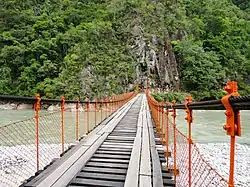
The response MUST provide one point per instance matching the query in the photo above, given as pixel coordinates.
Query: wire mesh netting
(17, 152)
(202, 173)
(26, 148)
(18, 156)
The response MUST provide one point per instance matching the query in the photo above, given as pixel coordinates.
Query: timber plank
(145, 181)
(156, 165)
(168, 182)
(113, 152)
(116, 146)
(91, 182)
(115, 149)
(109, 160)
(104, 170)
(118, 143)
(112, 156)
(107, 165)
(132, 178)
(145, 165)
(119, 138)
(101, 176)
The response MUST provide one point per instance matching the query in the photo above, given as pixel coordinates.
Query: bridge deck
(121, 151)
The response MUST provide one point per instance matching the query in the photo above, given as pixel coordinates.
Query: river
(22, 122)
(207, 126)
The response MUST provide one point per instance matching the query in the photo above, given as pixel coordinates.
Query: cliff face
(156, 62)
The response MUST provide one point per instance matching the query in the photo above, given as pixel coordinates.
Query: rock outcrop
(156, 63)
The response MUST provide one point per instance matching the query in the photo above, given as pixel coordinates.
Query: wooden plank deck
(121, 151)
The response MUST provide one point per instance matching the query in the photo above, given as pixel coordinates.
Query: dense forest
(95, 48)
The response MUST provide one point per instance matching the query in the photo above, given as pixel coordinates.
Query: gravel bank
(217, 154)
(18, 163)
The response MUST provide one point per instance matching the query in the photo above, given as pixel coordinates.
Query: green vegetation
(82, 48)
(215, 46)
(179, 97)
(57, 47)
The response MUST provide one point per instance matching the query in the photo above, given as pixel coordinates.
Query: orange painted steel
(62, 110)
(233, 126)
(101, 108)
(106, 108)
(167, 136)
(87, 114)
(77, 119)
(189, 119)
(186, 162)
(175, 150)
(161, 124)
(95, 111)
(34, 142)
(108, 105)
(37, 108)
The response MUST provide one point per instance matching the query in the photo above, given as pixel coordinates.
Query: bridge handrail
(188, 152)
(237, 102)
(30, 145)
(28, 100)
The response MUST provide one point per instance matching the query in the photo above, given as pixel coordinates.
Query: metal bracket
(173, 110)
(38, 103)
(233, 126)
(189, 112)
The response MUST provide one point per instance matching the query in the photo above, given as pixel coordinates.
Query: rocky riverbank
(15, 162)
(16, 165)
(217, 156)
(21, 106)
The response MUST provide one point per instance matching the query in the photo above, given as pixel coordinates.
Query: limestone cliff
(156, 63)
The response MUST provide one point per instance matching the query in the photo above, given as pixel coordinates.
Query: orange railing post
(37, 108)
(95, 111)
(189, 119)
(158, 116)
(101, 109)
(174, 125)
(166, 133)
(106, 112)
(112, 104)
(88, 116)
(233, 126)
(77, 118)
(116, 103)
(62, 124)
(108, 106)
(162, 124)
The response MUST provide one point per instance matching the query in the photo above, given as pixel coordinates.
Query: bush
(206, 95)
(179, 97)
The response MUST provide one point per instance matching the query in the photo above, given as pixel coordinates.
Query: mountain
(95, 48)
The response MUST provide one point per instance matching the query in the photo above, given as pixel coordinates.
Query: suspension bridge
(127, 140)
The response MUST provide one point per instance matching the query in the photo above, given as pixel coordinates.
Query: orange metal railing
(183, 157)
(28, 146)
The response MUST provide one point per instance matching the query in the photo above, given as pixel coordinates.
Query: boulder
(8, 106)
(24, 106)
(53, 108)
